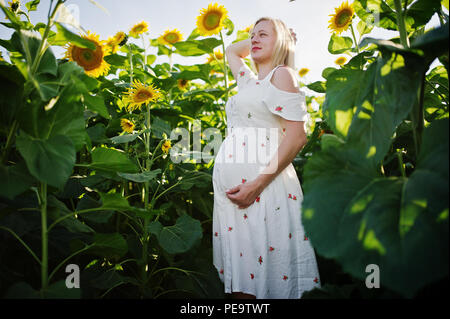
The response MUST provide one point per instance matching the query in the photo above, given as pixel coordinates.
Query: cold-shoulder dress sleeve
(245, 75)
(289, 105)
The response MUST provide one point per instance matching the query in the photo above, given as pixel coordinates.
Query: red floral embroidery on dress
(244, 180)
(241, 254)
(316, 280)
(257, 82)
(284, 129)
(216, 234)
(271, 248)
(252, 276)
(290, 196)
(260, 260)
(262, 144)
(305, 238)
(245, 216)
(221, 271)
(257, 199)
(230, 228)
(290, 235)
(285, 277)
(279, 108)
(242, 73)
(294, 198)
(243, 144)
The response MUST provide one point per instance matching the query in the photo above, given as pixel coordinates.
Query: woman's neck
(264, 69)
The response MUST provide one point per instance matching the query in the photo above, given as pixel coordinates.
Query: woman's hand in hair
(294, 35)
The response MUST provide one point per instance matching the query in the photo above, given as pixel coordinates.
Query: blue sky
(308, 18)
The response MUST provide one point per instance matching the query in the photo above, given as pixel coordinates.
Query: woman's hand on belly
(244, 194)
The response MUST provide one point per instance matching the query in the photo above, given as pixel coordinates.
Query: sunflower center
(343, 17)
(171, 37)
(143, 95)
(212, 20)
(87, 58)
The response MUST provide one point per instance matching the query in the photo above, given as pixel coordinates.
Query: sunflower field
(95, 183)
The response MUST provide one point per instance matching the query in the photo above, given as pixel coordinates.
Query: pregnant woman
(260, 249)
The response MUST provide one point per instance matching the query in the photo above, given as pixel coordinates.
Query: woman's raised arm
(235, 53)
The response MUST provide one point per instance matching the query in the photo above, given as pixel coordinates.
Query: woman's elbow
(303, 140)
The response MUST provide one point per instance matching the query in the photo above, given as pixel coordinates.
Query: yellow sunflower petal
(210, 20)
(166, 146)
(127, 125)
(303, 72)
(170, 37)
(140, 94)
(138, 29)
(341, 60)
(90, 60)
(342, 18)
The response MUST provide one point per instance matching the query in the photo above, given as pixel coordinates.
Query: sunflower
(111, 43)
(90, 60)
(170, 37)
(342, 18)
(248, 29)
(127, 125)
(217, 54)
(120, 38)
(341, 60)
(138, 29)
(140, 94)
(14, 5)
(303, 72)
(210, 20)
(166, 146)
(182, 84)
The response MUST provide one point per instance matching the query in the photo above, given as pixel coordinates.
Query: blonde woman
(260, 249)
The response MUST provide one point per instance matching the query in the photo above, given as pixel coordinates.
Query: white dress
(260, 250)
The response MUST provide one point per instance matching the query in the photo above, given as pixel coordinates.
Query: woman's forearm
(241, 48)
(286, 152)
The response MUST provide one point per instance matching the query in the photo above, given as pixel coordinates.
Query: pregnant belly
(238, 162)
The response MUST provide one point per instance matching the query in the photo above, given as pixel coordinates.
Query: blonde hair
(284, 48)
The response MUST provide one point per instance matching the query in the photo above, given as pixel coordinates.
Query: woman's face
(263, 40)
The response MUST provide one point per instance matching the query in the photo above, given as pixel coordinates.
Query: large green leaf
(343, 88)
(377, 13)
(180, 237)
(141, 177)
(14, 180)
(111, 245)
(420, 12)
(399, 224)
(112, 160)
(196, 47)
(64, 36)
(338, 45)
(386, 97)
(51, 160)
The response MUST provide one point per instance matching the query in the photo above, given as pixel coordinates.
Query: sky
(308, 18)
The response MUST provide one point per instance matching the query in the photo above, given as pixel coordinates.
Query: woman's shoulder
(284, 78)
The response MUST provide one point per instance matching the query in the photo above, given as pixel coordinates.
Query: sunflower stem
(43, 43)
(401, 24)
(145, 53)
(44, 234)
(131, 63)
(354, 38)
(225, 71)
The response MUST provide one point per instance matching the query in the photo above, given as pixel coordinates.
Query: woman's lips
(256, 48)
